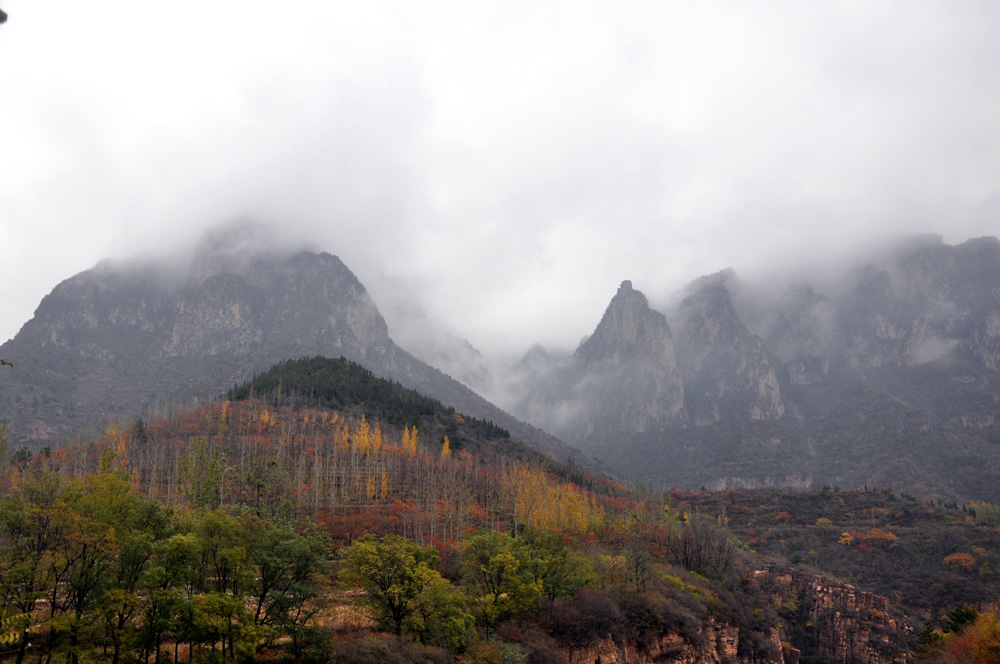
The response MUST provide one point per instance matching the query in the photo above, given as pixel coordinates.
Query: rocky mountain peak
(126, 337)
(114, 326)
(626, 371)
(706, 319)
(629, 327)
(882, 373)
(536, 355)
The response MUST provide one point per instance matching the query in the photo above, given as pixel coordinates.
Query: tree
(111, 505)
(979, 643)
(201, 473)
(956, 621)
(218, 617)
(393, 572)
(497, 568)
(101, 556)
(439, 616)
(561, 571)
(286, 563)
(29, 533)
(960, 561)
(168, 587)
(701, 547)
(223, 541)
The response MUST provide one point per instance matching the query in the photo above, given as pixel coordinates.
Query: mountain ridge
(124, 337)
(888, 377)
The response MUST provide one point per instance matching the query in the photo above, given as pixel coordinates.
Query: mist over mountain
(130, 338)
(886, 375)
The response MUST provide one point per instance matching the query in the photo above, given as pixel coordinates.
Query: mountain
(724, 365)
(885, 376)
(128, 338)
(623, 379)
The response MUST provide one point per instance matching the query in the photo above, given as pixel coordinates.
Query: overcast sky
(509, 162)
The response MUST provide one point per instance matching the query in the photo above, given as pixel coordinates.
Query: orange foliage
(979, 643)
(960, 561)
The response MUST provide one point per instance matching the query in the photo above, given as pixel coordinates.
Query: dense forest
(320, 514)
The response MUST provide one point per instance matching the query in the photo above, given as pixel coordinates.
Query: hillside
(886, 375)
(339, 383)
(925, 558)
(261, 504)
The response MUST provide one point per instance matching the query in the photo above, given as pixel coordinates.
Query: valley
(781, 477)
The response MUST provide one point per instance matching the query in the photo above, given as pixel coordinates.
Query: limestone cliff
(665, 406)
(626, 374)
(821, 620)
(726, 369)
(836, 621)
(713, 644)
(886, 374)
(924, 302)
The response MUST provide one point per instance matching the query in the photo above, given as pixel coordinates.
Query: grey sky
(508, 162)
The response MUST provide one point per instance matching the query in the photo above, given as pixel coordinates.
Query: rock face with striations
(121, 339)
(886, 376)
(828, 621)
(626, 371)
(726, 368)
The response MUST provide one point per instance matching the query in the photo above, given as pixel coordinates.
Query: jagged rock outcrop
(726, 369)
(798, 331)
(923, 302)
(887, 375)
(818, 619)
(836, 621)
(714, 644)
(122, 338)
(626, 374)
(640, 398)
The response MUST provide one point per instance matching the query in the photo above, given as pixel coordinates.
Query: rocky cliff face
(836, 621)
(726, 368)
(925, 303)
(626, 374)
(119, 339)
(822, 620)
(714, 644)
(887, 376)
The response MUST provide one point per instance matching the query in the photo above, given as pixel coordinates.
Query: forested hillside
(340, 383)
(284, 530)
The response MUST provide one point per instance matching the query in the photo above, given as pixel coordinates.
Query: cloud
(512, 163)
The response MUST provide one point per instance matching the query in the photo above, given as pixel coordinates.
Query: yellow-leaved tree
(410, 441)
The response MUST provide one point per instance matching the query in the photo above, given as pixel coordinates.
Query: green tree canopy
(402, 588)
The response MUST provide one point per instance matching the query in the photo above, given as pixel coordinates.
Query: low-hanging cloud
(511, 163)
